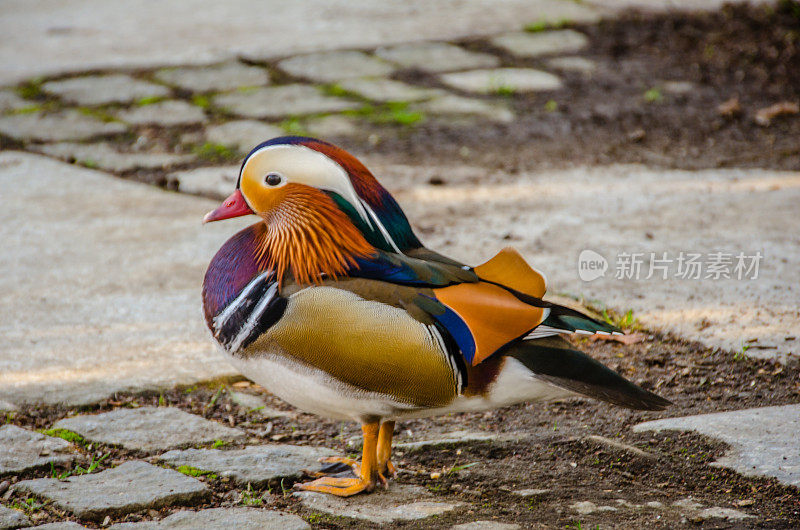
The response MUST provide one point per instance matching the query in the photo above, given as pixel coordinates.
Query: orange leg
(368, 476)
(385, 466)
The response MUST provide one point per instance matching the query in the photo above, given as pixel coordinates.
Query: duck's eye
(273, 179)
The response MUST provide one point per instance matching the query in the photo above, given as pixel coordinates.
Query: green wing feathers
(567, 319)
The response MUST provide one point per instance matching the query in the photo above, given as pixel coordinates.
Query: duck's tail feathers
(571, 321)
(552, 359)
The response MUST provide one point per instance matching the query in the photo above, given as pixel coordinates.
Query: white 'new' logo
(591, 265)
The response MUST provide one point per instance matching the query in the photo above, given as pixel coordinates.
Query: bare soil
(626, 113)
(552, 452)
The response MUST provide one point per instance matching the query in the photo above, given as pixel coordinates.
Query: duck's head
(319, 204)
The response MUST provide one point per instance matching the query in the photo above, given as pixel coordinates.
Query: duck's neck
(310, 237)
(308, 241)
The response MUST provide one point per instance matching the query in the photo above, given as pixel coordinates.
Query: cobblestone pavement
(87, 475)
(184, 127)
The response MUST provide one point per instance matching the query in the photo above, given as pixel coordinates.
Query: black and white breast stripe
(250, 314)
(451, 352)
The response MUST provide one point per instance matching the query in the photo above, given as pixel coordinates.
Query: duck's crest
(388, 228)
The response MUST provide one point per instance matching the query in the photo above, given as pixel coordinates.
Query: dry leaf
(764, 116)
(730, 108)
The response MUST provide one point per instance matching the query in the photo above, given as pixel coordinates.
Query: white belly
(314, 391)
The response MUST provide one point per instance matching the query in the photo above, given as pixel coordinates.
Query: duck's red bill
(233, 206)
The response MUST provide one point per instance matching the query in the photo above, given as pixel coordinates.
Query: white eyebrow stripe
(325, 173)
(335, 179)
(381, 228)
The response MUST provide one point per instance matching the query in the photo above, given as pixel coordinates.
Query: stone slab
(11, 518)
(282, 101)
(214, 78)
(244, 135)
(56, 126)
(221, 519)
(78, 35)
(437, 57)
(401, 502)
(130, 487)
(588, 507)
(496, 80)
(678, 87)
(149, 428)
(693, 509)
(572, 64)
(531, 492)
(106, 156)
(554, 215)
(763, 441)
(486, 525)
(257, 465)
(458, 437)
(386, 90)
(452, 105)
(214, 181)
(11, 101)
(22, 450)
(334, 66)
(104, 89)
(61, 525)
(164, 113)
(121, 311)
(332, 126)
(524, 44)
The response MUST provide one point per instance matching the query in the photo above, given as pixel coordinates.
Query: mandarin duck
(332, 303)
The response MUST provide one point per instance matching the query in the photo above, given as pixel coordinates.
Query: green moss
(30, 89)
(653, 95)
(149, 100)
(622, 321)
(201, 101)
(28, 110)
(544, 25)
(393, 113)
(219, 443)
(334, 90)
(97, 113)
(29, 505)
(551, 106)
(505, 91)
(294, 127)
(215, 153)
(195, 472)
(64, 434)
